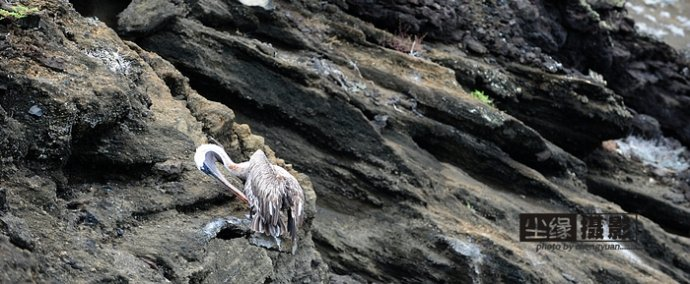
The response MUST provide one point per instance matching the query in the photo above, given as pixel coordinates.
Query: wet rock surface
(417, 181)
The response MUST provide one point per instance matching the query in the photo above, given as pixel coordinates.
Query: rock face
(417, 181)
(99, 187)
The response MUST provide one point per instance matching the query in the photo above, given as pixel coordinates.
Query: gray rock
(3, 200)
(144, 16)
(475, 46)
(646, 126)
(675, 197)
(36, 111)
(17, 230)
(380, 121)
(171, 169)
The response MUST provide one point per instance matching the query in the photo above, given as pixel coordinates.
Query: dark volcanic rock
(647, 73)
(17, 231)
(574, 113)
(440, 20)
(68, 118)
(581, 35)
(646, 126)
(406, 164)
(88, 184)
(143, 16)
(660, 199)
(3, 200)
(418, 181)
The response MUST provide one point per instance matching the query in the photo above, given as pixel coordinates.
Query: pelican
(268, 189)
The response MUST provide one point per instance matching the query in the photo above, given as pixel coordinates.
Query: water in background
(667, 20)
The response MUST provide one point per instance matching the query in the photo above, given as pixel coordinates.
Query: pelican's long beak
(217, 175)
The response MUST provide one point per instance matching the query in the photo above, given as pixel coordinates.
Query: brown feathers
(274, 196)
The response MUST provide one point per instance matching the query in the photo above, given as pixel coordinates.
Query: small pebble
(36, 111)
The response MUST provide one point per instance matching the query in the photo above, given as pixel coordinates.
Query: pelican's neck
(239, 170)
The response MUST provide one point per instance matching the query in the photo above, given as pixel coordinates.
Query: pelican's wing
(267, 189)
(294, 197)
(251, 198)
(259, 159)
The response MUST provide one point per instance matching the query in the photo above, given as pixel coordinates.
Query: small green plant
(482, 97)
(17, 11)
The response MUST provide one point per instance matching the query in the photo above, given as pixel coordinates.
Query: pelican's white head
(206, 157)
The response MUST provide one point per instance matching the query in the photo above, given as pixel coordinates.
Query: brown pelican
(268, 189)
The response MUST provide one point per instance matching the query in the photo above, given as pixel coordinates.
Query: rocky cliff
(408, 177)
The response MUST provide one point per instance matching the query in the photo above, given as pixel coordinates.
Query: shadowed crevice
(104, 10)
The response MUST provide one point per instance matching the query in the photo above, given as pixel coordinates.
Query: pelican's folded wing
(295, 198)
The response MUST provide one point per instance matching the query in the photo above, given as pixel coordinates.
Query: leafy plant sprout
(482, 97)
(469, 206)
(17, 11)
